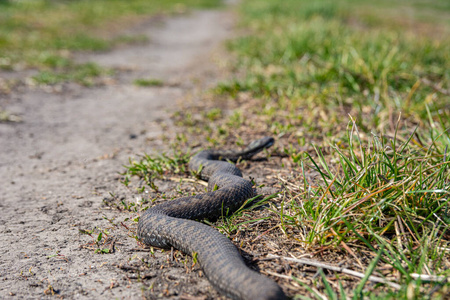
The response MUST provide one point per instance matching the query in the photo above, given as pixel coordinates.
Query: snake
(173, 224)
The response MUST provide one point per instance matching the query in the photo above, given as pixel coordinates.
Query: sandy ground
(59, 165)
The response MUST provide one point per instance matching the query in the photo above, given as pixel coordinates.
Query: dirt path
(59, 164)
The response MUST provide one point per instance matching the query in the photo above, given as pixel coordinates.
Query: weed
(149, 168)
(148, 82)
(100, 244)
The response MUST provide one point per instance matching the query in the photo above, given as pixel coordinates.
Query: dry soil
(61, 162)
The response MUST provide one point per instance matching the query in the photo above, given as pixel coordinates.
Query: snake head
(260, 144)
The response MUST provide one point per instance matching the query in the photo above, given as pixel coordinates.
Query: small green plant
(214, 114)
(148, 82)
(151, 167)
(99, 241)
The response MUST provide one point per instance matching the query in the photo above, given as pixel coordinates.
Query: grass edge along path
(45, 34)
(368, 193)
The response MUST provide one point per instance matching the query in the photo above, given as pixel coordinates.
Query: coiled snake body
(165, 225)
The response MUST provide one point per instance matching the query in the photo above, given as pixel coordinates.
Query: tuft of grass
(84, 74)
(149, 167)
(389, 193)
(148, 82)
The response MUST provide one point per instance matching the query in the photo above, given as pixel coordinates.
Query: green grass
(149, 168)
(148, 82)
(84, 74)
(376, 196)
(310, 55)
(378, 183)
(42, 34)
(357, 94)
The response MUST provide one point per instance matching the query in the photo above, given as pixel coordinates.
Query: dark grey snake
(165, 225)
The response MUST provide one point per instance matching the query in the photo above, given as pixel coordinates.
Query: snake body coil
(165, 225)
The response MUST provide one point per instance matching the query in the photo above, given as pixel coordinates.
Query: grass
(84, 74)
(149, 168)
(143, 82)
(357, 94)
(44, 34)
(377, 197)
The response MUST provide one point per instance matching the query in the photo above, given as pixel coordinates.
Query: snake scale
(169, 225)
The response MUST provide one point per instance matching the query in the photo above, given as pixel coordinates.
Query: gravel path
(63, 159)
